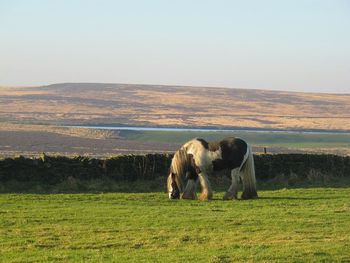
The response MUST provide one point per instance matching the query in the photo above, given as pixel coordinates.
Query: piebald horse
(197, 159)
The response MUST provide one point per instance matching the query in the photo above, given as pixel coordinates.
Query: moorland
(34, 119)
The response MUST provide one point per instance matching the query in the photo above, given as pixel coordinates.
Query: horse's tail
(247, 172)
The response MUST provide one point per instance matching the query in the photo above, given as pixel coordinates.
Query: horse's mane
(179, 166)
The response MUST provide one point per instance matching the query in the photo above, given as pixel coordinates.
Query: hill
(155, 105)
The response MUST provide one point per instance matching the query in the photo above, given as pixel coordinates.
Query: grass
(282, 139)
(287, 225)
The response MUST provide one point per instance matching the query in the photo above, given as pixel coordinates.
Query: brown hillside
(93, 103)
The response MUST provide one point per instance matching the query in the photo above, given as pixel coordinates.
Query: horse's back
(227, 153)
(232, 147)
(234, 144)
(232, 153)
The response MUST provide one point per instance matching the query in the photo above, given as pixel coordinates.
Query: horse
(197, 159)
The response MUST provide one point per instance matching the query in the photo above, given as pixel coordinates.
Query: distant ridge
(77, 84)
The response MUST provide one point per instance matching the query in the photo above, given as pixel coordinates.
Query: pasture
(264, 138)
(294, 141)
(286, 225)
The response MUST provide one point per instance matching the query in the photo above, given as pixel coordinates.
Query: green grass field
(280, 139)
(287, 225)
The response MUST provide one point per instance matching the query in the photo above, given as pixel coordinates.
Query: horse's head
(173, 188)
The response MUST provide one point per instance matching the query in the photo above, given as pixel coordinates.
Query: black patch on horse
(203, 142)
(219, 164)
(232, 154)
(193, 169)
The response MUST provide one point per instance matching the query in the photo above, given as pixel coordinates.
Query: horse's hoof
(229, 196)
(205, 197)
(187, 197)
(247, 196)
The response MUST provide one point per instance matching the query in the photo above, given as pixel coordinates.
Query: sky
(278, 45)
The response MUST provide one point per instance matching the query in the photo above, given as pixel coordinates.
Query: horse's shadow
(278, 198)
(293, 198)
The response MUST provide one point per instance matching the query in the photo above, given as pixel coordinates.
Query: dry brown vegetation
(91, 103)
(68, 131)
(31, 140)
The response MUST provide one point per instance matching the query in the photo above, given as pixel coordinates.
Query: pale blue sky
(284, 45)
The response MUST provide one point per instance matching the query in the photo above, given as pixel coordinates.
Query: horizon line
(177, 85)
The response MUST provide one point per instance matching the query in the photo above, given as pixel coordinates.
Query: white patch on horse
(202, 157)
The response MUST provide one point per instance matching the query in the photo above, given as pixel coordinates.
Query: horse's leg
(190, 190)
(207, 193)
(233, 189)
